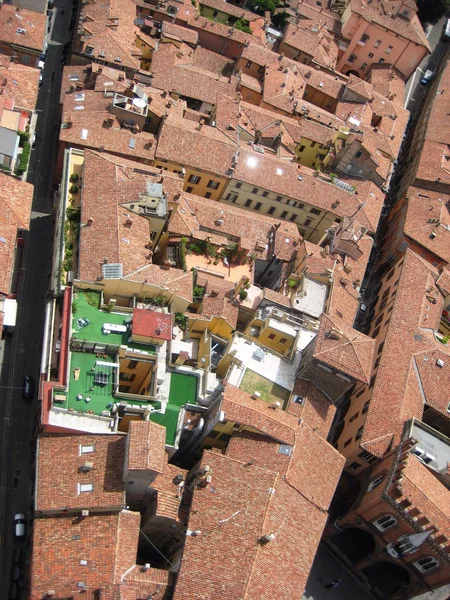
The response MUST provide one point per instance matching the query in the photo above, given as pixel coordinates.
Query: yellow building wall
(147, 53)
(208, 13)
(311, 226)
(271, 343)
(221, 328)
(142, 372)
(308, 155)
(123, 290)
(201, 188)
(145, 339)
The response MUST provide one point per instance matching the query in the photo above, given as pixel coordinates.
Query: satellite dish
(139, 103)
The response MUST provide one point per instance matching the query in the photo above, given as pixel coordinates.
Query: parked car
(33, 141)
(28, 387)
(446, 31)
(41, 79)
(19, 525)
(428, 76)
(51, 4)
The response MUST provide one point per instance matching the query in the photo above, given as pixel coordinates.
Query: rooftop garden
(269, 391)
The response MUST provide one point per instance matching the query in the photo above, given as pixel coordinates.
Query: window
(386, 293)
(381, 61)
(325, 367)
(315, 211)
(365, 408)
(271, 336)
(375, 482)
(194, 179)
(349, 441)
(127, 376)
(385, 522)
(363, 66)
(364, 38)
(360, 393)
(25, 59)
(208, 195)
(284, 214)
(271, 210)
(426, 563)
(279, 198)
(301, 148)
(231, 197)
(255, 190)
(261, 69)
(265, 194)
(87, 449)
(389, 49)
(307, 222)
(352, 58)
(370, 54)
(283, 340)
(132, 364)
(377, 363)
(85, 487)
(292, 217)
(405, 13)
(213, 185)
(285, 449)
(380, 348)
(238, 185)
(377, 44)
(358, 154)
(383, 304)
(190, 189)
(366, 456)
(359, 433)
(355, 416)
(248, 202)
(355, 465)
(378, 321)
(258, 205)
(249, 64)
(215, 13)
(376, 332)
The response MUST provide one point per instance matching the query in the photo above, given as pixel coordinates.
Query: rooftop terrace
(91, 353)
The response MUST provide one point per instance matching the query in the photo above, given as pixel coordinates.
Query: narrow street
(21, 351)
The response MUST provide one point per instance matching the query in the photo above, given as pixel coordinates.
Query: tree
(261, 6)
(430, 11)
(242, 25)
(279, 20)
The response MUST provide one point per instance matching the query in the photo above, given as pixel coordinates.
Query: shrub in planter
(73, 189)
(74, 177)
(243, 294)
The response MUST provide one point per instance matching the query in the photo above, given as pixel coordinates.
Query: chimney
(200, 124)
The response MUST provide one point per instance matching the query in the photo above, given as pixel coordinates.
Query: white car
(428, 76)
(19, 525)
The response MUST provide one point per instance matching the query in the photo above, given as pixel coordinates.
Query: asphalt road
(414, 89)
(22, 351)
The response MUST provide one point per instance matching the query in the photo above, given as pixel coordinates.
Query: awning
(10, 312)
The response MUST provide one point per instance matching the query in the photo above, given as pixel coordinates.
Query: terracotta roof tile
(108, 28)
(395, 396)
(59, 462)
(32, 26)
(146, 446)
(175, 280)
(345, 348)
(428, 213)
(108, 181)
(217, 302)
(316, 410)
(16, 198)
(186, 35)
(20, 83)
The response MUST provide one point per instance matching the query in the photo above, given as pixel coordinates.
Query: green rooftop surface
(87, 307)
(182, 389)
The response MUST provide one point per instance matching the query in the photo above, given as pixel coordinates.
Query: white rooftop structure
(311, 300)
(262, 361)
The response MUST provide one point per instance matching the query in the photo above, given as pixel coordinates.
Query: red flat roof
(152, 324)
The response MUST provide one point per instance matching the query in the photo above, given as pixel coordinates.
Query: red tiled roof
(59, 462)
(316, 410)
(19, 83)
(345, 348)
(146, 445)
(16, 198)
(32, 26)
(149, 323)
(250, 501)
(396, 396)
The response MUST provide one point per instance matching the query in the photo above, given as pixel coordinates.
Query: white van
(19, 525)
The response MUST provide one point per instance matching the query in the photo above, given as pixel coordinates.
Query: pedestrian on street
(333, 584)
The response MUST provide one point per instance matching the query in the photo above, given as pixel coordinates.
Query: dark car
(28, 387)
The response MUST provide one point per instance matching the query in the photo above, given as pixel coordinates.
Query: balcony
(432, 448)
